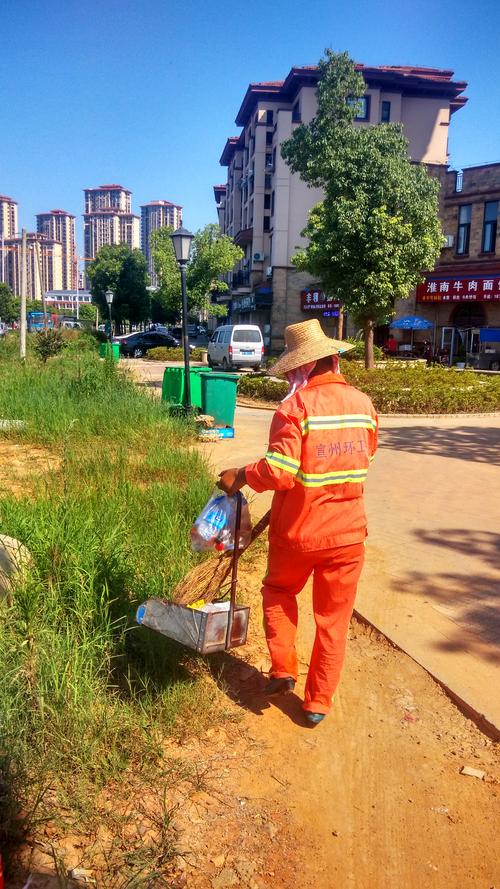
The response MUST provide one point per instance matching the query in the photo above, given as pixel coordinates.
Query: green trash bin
(172, 389)
(195, 382)
(218, 396)
(173, 385)
(112, 349)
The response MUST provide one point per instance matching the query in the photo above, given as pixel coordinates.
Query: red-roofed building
(265, 207)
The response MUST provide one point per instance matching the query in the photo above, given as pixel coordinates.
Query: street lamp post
(181, 240)
(109, 299)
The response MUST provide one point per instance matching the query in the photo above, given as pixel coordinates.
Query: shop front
(464, 308)
(254, 308)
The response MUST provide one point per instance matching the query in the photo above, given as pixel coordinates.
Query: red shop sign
(317, 301)
(473, 288)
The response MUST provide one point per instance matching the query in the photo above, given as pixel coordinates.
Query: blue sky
(145, 93)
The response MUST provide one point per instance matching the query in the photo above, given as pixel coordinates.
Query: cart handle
(234, 572)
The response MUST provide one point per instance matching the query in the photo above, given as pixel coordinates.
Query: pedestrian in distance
(322, 439)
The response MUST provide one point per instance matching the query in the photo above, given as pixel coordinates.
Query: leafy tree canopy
(378, 225)
(10, 305)
(124, 271)
(212, 255)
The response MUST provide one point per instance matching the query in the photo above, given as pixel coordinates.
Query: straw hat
(305, 342)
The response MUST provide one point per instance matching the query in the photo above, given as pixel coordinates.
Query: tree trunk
(340, 323)
(369, 359)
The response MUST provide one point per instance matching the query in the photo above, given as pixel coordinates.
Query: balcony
(241, 280)
(244, 236)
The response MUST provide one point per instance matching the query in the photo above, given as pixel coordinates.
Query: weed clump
(84, 692)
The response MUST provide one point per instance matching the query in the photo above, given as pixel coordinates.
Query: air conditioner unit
(269, 271)
(258, 257)
(449, 240)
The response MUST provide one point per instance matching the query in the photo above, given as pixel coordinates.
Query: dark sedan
(137, 344)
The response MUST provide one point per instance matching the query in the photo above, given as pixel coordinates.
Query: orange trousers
(336, 574)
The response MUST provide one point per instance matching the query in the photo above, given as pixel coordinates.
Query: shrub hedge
(401, 389)
(161, 353)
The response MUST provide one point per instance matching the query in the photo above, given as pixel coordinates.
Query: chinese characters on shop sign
(474, 289)
(317, 301)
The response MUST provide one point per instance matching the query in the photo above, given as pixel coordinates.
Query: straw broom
(205, 581)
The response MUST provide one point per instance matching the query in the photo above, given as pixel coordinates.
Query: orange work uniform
(321, 442)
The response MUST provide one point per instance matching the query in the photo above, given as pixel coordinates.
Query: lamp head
(181, 240)
(109, 297)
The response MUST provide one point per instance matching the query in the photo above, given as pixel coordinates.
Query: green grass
(75, 397)
(84, 693)
(402, 389)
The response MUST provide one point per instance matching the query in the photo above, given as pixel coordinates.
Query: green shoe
(314, 718)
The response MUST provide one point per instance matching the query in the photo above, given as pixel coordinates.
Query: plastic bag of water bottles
(214, 527)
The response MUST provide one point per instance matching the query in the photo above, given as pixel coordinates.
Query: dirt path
(373, 798)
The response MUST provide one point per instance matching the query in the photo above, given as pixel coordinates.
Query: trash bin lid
(224, 376)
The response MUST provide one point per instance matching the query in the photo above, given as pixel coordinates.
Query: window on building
(463, 233)
(490, 227)
(267, 202)
(267, 223)
(269, 137)
(385, 112)
(267, 181)
(296, 118)
(459, 180)
(269, 160)
(269, 118)
(252, 146)
(274, 159)
(272, 204)
(362, 107)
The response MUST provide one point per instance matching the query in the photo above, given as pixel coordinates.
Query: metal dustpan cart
(223, 627)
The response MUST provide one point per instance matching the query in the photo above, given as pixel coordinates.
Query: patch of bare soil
(20, 463)
(373, 798)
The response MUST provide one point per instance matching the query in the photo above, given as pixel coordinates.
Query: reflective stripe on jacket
(320, 445)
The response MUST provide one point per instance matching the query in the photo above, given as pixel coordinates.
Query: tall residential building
(8, 217)
(44, 265)
(264, 206)
(8, 229)
(60, 226)
(108, 219)
(154, 215)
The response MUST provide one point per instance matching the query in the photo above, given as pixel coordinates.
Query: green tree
(122, 270)
(87, 312)
(10, 305)
(378, 227)
(212, 255)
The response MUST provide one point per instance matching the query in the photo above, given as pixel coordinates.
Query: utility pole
(22, 329)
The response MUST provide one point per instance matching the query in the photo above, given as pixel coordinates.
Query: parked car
(71, 325)
(236, 345)
(136, 345)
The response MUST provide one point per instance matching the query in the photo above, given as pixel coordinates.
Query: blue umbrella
(412, 322)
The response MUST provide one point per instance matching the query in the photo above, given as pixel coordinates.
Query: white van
(236, 345)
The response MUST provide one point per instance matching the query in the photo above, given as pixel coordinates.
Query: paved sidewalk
(432, 577)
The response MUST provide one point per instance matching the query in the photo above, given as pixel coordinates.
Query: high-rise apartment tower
(58, 225)
(155, 215)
